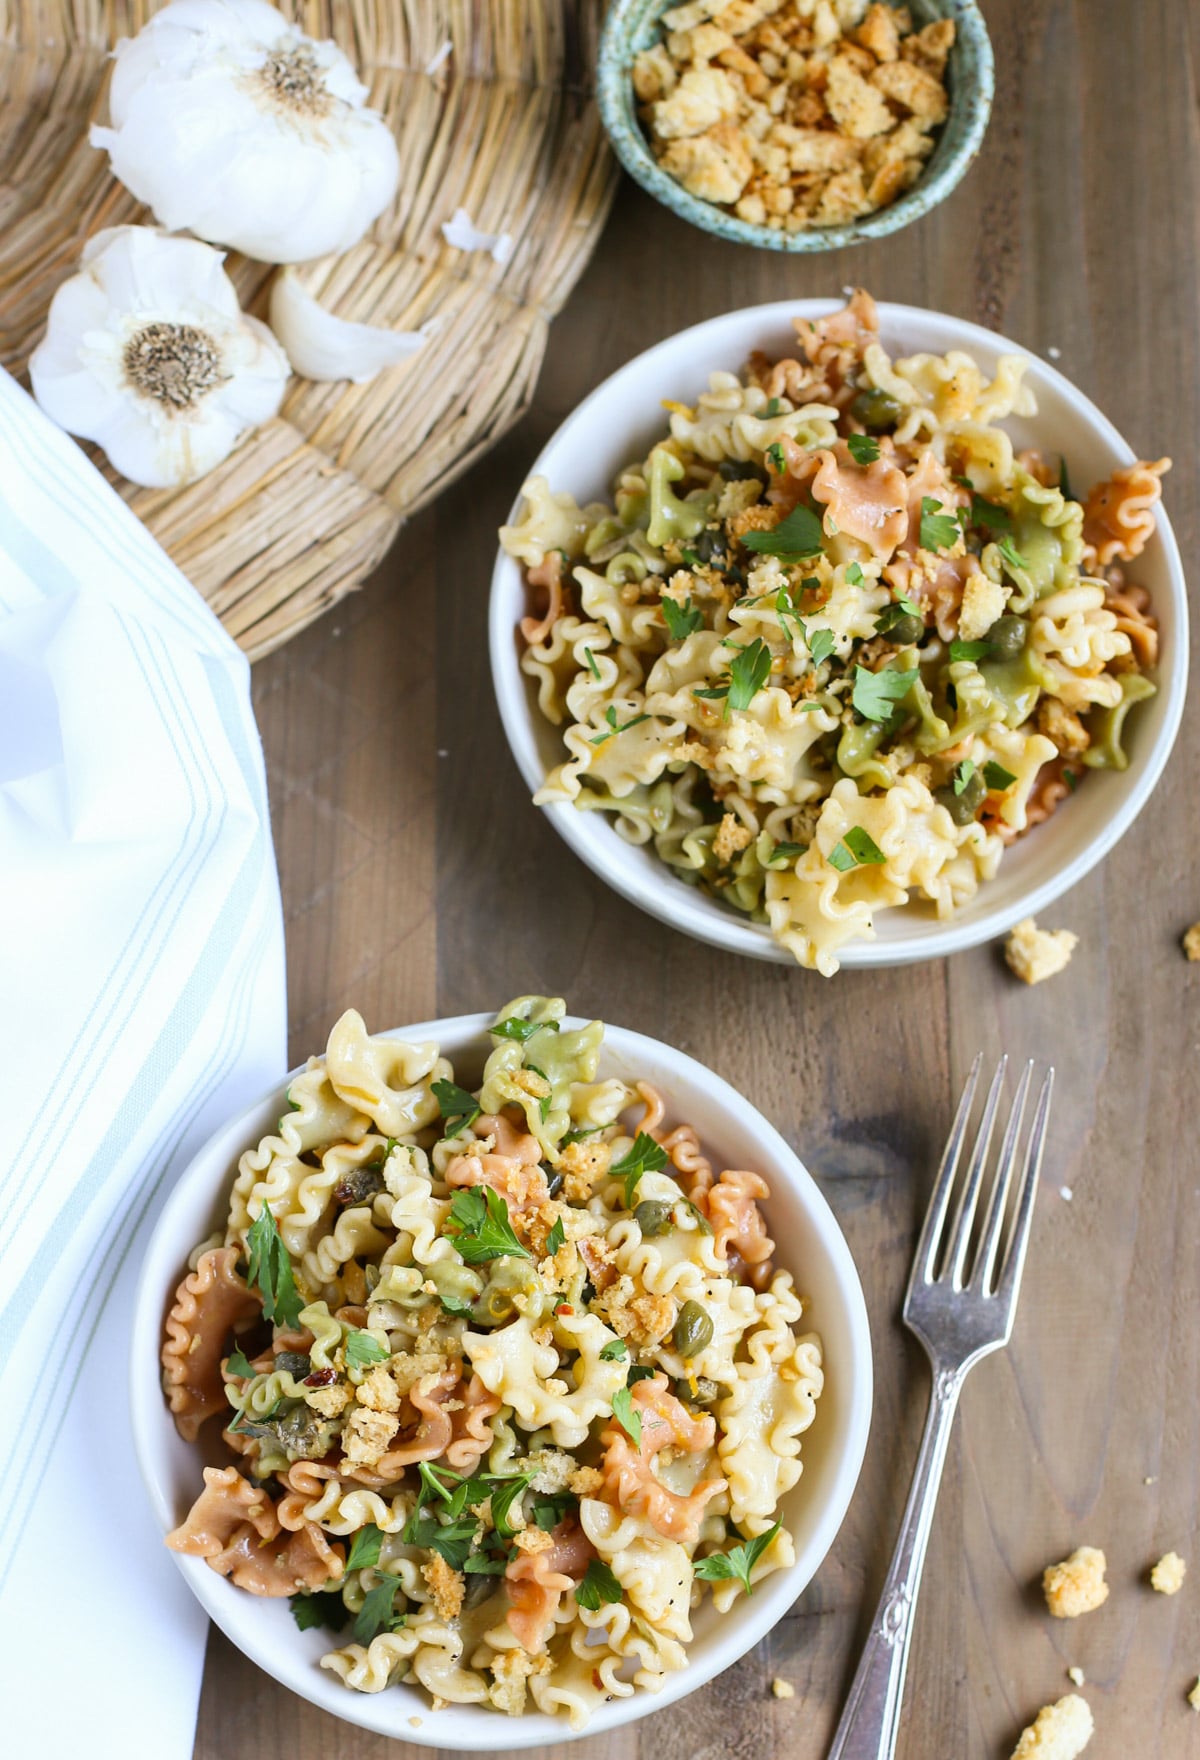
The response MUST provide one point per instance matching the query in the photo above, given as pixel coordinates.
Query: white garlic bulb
(321, 345)
(230, 123)
(148, 353)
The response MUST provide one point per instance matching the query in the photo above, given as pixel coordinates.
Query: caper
(693, 1330)
(1007, 636)
(736, 470)
(294, 1362)
(963, 805)
(906, 630)
(709, 546)
(876, 410)
(706, 1394)
(654, 1216)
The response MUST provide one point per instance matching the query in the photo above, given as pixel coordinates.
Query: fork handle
(871, 1720)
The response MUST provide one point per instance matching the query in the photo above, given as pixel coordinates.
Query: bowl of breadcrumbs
(796, 125)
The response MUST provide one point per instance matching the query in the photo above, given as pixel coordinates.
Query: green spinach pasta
(836, 643)
(508, 1378)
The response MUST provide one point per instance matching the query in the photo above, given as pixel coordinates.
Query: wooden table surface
(418, 880)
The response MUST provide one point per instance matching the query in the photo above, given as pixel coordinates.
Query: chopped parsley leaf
(939, 531)
(325, 1608)
(269, 1266)
(377, 1612)
(629, 1420)
(1011, 556)
(876, 694)
(1064, 478)
(891, 614)
(509, 1491)
(520, 1030)
(970, 650)
(864, 448)
(854, 574)
(797, 536)
(550, 1510)
(599, 1586)
(646, 1156)
(858, 849)
(591, 661)
(556, 1237)
(962, 775)
(785, 852)
(822, 644)
(990, 515)
(738, 1562)
(479, 1227)
(775, 458)
(614, 1350)
(774, 408)
(457, 1107)
(610, 715)
(238, 1364)
(362, 1351)
(682, 620)
(364, 1548)
(997, 777)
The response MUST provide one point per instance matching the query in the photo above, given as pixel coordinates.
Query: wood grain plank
(418, 882)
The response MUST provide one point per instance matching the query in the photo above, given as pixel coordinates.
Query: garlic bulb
(232, 124)
(148, 353)
(322, 346)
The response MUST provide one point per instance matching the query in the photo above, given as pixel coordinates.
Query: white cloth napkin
(141, 1002)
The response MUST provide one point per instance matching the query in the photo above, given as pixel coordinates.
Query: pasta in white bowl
(799, 627)
(508, 1402)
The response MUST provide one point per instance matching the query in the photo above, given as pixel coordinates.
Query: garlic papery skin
(148, 353)
(322, 346)
(230, 123)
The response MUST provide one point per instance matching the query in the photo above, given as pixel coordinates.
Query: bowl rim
(673, 902)
(625, 135)
(737, 1634)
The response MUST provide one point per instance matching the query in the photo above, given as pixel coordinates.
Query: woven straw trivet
(506, 128)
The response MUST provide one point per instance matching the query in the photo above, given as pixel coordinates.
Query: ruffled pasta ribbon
(208, 1304)
(232, 1525)
(629, 1481)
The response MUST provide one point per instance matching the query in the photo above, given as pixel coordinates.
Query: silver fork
(959, 1319)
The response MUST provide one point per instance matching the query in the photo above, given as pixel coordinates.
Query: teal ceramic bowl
(633, 25)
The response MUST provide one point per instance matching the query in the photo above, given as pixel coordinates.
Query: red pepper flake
(564, 1308)
(321, 1378)
(596, 1681)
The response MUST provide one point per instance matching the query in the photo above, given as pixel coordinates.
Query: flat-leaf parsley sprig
(738, 1562)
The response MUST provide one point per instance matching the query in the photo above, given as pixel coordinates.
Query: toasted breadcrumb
(554, 1469)
(330, 1402)
(983, 601)
(731, 837)
(1035, 954)
(1193, 1697)
(585, 1481)
(1058, 1732)
(511, 1670)
(1168, 1574)
(1076, 1676)
(378, 1392)
(534, 1540)
(448, 1586)
(782, 1689)
(1191, 942)
(581, 1165)
(1077, 1584)
(367, 1434)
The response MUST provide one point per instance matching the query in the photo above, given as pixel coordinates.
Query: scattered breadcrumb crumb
(447, 1585)
(1191, 942)
(1077, 1584)
(415, 1722)
(1054, 353)
(1034, 954)
(1076, 1676)
(782, 1689)
(1194, 1696)
(1058, 1732)
(1066, 1194)
(1168, 1574)
(1149, 1481)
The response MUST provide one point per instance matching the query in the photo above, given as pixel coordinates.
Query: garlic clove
(228, 121)
(324, 347)
(148, 353)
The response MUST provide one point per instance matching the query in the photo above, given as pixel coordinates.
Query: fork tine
(964, 1211)
(1010, 1278)
(935, 1216)
(993, 1222)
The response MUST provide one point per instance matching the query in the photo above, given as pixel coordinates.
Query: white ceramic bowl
(810, 1244)
(618, 423)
